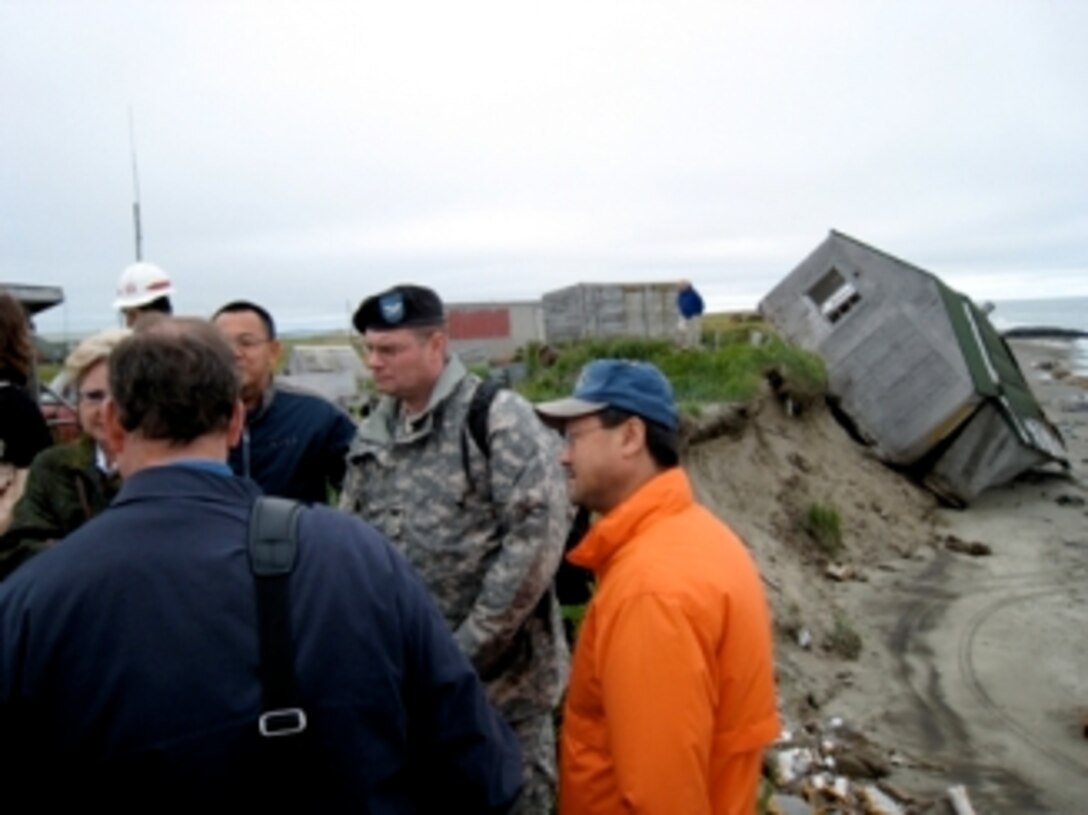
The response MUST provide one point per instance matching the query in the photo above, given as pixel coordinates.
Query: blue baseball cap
(636, 387)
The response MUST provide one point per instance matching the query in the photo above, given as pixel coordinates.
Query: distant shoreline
(1044, 333)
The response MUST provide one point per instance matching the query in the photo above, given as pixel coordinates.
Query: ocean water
(1062, 312)
(1065, 312)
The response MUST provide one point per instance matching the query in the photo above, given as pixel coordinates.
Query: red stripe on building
(479, 324)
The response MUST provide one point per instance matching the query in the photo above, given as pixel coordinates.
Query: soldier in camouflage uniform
(485, 531)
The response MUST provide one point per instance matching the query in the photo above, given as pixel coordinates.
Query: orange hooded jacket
(672, 695)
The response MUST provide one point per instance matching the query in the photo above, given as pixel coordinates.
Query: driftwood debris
(973, 548)
(961, 804)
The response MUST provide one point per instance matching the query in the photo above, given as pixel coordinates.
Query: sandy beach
(992, 678)
(969, 669)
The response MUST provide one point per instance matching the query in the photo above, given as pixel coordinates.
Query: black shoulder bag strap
(478, 410)
(476, 423)
(273, 550)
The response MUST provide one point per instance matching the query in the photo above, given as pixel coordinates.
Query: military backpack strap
(476, 422)
(478, 410)
(574, 584)
(273, 550)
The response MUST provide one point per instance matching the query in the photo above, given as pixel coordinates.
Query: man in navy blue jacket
(130, 665)
(294, 443)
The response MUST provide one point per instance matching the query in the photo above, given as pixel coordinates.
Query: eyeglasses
(93, 397)
(571, 436)
(246, 342)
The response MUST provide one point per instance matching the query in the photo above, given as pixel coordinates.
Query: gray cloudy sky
(308, 154)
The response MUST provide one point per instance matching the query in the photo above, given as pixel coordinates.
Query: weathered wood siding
(984, 453)
(611, 310)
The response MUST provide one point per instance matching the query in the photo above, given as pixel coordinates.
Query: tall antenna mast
(135, 188)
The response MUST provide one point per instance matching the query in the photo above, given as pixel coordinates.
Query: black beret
(404, 306)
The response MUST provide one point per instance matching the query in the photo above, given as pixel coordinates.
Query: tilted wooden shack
(916, 367)
(611, 310)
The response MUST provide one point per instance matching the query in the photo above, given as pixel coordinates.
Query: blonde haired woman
(70, 483)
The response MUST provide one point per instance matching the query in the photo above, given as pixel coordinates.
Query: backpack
(573, 584)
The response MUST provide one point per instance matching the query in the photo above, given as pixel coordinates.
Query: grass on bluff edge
(823, 524)
(844, 640)
(730, 370)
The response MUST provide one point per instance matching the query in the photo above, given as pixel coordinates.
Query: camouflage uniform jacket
(64, 490)
(485, 533)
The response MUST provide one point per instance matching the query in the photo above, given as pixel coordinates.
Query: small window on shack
(834, 295)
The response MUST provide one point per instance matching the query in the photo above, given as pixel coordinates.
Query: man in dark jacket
(690, 305)
(294, 442)
(131, 670)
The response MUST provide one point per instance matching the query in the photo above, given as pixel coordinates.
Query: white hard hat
(141, 283)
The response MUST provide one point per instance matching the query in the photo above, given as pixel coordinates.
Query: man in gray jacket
(484, 528)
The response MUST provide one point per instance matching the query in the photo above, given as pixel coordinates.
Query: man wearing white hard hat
(142, 288)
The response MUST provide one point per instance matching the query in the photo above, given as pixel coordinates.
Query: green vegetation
(822, 524)
(730, 372)
(844, 640)
(481, 369)
(332, 338)
(573, 616)
(48, 370)
(728, 368)
(766, 794)
(723, 328)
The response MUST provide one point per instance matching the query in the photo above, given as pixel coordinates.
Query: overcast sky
(306, 154)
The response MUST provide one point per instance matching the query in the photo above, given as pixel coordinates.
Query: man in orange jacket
(672, 695)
